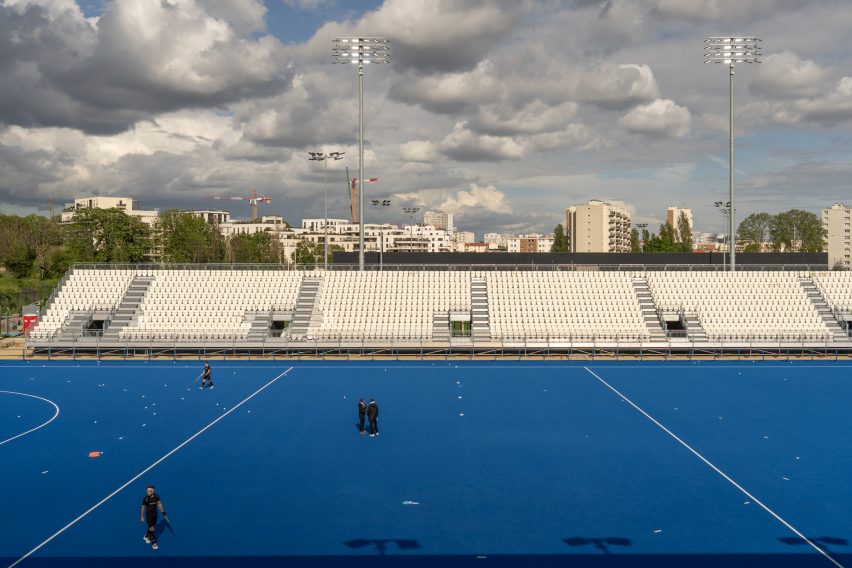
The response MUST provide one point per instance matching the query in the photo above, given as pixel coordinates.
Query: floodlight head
(375, 201)
(732, 50)
(316, 156)
(361, 50)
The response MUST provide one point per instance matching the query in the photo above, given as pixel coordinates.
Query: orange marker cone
(95, 454)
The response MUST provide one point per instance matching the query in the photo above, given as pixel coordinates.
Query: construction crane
(253, 201)
(352, 188)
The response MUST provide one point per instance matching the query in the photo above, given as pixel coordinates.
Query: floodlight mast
(361, 51)
(732, 50)
(324, 158)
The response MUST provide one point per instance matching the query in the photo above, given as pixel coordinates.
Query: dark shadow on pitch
(579, 559)
(601, 543)
(384, 545)
(824, 542)
(161, 527)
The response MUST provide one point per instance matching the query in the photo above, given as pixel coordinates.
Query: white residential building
(126, 204)
(598, 226)
(213, 217)
(530, 243)
(495, 241)
(837, 223)
(463, 238)
(439, 220)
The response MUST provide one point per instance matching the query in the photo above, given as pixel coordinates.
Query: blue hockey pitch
(478, 464)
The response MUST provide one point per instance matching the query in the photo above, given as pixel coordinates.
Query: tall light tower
(411, 212)
(641, 228)
(361, 51)
(731, 50)
(382, 204)
(324, 158)
(725, 208)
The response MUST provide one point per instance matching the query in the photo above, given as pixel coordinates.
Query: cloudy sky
(502, 112)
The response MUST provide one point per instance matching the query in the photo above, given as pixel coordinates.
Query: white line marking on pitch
(144, 471)
(719, 471)
(37, 427)
(485, 364)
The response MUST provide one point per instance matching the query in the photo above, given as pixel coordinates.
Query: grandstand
(272, 309)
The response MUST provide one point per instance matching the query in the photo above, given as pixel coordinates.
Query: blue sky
(503, 113)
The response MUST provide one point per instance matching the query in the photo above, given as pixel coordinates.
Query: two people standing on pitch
(150, 503)
(370, 411)
(206, 376)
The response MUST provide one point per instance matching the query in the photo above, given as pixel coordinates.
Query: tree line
(794, 230)
(40, 248)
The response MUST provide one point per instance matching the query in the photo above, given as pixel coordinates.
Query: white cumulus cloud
(479, 198)
(661, 118)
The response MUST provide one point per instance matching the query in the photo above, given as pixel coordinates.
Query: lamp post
(731, 50)
(324, 158)
(411, 212)
(381, 204)
(724, 207)
(360, 51)
(641, 227)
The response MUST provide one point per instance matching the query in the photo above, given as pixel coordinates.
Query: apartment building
(837, 223)
(597, 226)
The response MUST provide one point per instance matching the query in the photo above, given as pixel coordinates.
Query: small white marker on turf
(658, 531)
(45, 471)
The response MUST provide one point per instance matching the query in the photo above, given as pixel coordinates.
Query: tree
(665, 242)
(183, 237)
(306, 253)
(754, 231)
(684, 233)
(257, 247)
(797, 230)
(19, 261)
(635, 245)
(108, 235)
(560, 244)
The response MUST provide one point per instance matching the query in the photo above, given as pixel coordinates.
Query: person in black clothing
(362, 412)
(373, 415)
(207, 376)
(150, 504)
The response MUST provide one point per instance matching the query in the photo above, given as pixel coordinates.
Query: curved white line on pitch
(52, 418)
(146, 470)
